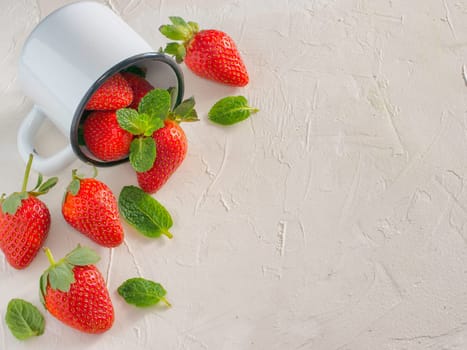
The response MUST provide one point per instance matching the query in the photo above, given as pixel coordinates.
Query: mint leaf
(142, 153)
(24, 319)
(154, 123)
(144, 212)
(82, 256)
(131, 121)
(231, 110)
(156, 103)
(61, 276)
(13, 202)
(142, 292)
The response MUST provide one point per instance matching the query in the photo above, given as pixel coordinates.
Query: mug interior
(161, 72)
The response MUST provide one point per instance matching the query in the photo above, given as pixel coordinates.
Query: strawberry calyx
(154, 108)
(11, 203)
(59, 275)
(75, 184)
(179, 30)
(184, 112)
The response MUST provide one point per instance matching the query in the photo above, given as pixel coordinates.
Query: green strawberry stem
(50, 257)
(179, 30)
(26, 174)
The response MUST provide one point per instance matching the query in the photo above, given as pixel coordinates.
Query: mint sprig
(231, 110)
(142, 292)
(153, 109)
(24, 319)
(144, 213)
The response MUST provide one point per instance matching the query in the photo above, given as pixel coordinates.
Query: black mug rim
(148, 56)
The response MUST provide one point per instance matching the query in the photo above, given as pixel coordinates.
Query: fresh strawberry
(104, 138)
(74, 291)
(139, 85)
(114, 93)
(24, 221)
(91, 208)
(159, 145)
(211, 54)
(171, 145)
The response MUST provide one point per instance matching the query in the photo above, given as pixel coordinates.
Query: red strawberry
(24, 222)
(91, 208)
(114, 93)
(74, 291)
(211, 54)
(139, 85)
(171, 145)
(104, 138)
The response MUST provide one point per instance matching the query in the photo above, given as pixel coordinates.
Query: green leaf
(144, 212)
(74, 186)
(194, 27)
(185, 111)
(178, 21)
(131, 121)
(82, 256)
(24, 319)
(61, 276)
(44, 280)
(231, 110)
(173, 91)
(185, 107)
(154, 123)
(177, 50)
(39, 181)
(13, 202)
(142, 153)
(156, 103)
(142, 292)
(46, 186)
(178, 30)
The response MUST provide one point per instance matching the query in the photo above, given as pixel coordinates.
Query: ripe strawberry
(171, 145)
(104, 138)
(24, 221)
(114, 93)
(139, 85)
(91, 208)
(74, 291)
(211, 54)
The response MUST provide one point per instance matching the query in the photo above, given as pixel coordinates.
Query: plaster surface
(334, 219)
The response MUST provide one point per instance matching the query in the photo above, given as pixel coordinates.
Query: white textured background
(334, 219)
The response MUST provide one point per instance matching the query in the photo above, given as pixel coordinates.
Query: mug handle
(26, 135)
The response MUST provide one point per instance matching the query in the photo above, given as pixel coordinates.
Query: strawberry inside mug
(96, 136)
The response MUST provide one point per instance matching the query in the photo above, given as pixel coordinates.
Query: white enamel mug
(65, 59)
